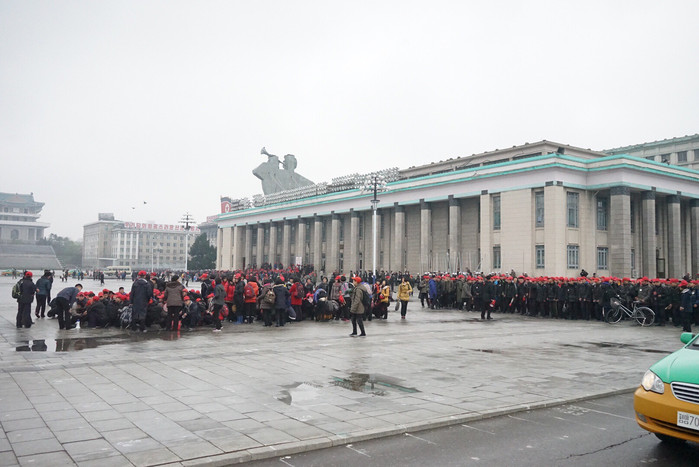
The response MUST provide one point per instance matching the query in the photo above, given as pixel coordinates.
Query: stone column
(238, 241)
(399, 236)
(352, 244)
(247, 252)
(620, 231)
(425, 235)
(259, 257)
(286, 243)
(301, 240)
(648, 237)
(272, 255)
(674, 237)
(332, 248)
(225, 243)
(454, 232)
(379, 266)
(317, 243)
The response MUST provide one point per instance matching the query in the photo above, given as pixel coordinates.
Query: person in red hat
(27, 289)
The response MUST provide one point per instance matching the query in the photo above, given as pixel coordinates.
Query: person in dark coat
(174, 299)
(141, 294)
(282, 296)
(43, 292)
(357, 309)
(27, 288)
(687, 304)
(63, 303)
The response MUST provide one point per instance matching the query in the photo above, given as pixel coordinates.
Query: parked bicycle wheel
(614, 315)
(644, 316)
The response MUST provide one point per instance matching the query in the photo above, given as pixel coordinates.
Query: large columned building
(542, 208)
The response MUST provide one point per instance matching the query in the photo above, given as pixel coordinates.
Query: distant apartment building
(140, 245)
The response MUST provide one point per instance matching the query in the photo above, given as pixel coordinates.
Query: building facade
(111, 242)
(542, 208)
(682, 151)
(19, 215)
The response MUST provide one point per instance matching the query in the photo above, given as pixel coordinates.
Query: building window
(539, 208)
(602, 257)
(540, 257)
(602, 208)
(696, 154)
(573, 256)
(361, 227)
(496, 212)
(383, 222)
(665, 158)
(681, 156)
(633, 259)
(497, 259)
(632, 205)
(573, 200)
(650, 158)
(342, 229)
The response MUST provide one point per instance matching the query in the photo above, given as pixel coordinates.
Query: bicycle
(642, 314)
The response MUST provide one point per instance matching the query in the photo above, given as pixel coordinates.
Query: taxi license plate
(688, 420)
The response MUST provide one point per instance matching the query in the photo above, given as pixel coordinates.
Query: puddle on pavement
(75, 344)
(370, 383)
(614, 345)
(305, 393)
(486, 350)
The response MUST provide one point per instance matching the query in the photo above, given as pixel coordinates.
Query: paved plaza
(109, 397)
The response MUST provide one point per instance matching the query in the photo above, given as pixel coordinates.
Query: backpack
(125, 316)
(16, 290)
(366, 299)
(270, 297)
(248, 292)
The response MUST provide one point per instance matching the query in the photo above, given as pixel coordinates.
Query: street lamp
(374, 182)
(187, 220)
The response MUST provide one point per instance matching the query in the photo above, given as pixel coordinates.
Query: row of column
(240, 237)
(621, 240)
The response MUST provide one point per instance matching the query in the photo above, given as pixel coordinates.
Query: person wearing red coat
(298, 292)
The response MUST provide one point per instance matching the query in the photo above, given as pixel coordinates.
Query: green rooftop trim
(654, 144)
(393, 187)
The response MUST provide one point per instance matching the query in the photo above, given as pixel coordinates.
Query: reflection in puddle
(74, 344)
(614, 345)
(306, 394)
(370, 383)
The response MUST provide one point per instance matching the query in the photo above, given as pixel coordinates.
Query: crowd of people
(278, 296)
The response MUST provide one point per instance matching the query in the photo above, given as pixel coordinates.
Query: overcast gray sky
(107, 104)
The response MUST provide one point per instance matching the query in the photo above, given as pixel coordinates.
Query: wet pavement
(112, 397)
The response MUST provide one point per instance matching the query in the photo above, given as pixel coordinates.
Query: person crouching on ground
(357, 309)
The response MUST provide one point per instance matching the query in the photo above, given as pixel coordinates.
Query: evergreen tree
(201, 254)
